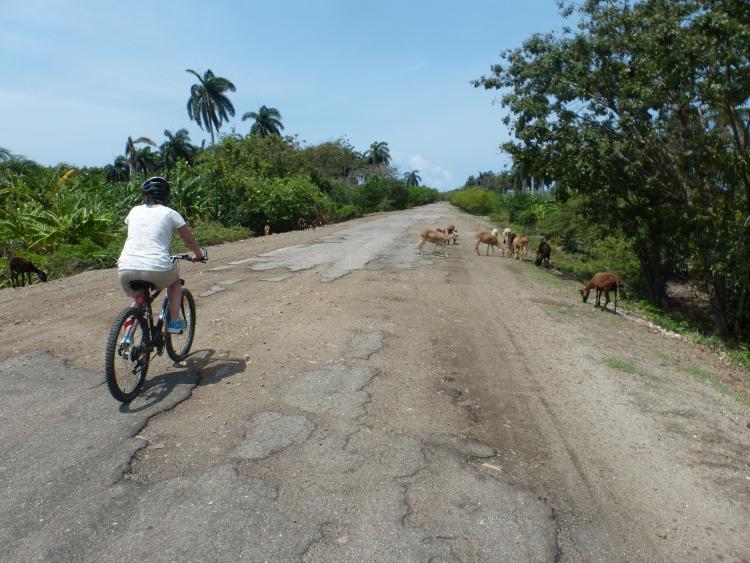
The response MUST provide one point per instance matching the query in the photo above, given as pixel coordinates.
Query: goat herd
(515, 244)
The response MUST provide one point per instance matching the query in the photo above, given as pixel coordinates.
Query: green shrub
(69, 259)
(475, 200)
(211, 232)
(372, 195)
(571, 225)
(346, 212)
(611, 254)
(421, 195)
(525, 208)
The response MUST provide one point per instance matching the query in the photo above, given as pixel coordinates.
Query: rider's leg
(174, 293)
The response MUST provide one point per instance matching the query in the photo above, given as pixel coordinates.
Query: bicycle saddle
(140, 284)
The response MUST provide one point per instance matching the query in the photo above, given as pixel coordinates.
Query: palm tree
(131, 152)
(412, 178)
(118, 171)
(267, 121)
(7, 157)
(378, 153)
(148, 161)
(208, 104)
(177, 146)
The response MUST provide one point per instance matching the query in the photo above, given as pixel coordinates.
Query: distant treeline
(70, 219)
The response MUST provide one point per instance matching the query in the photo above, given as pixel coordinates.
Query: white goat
(506, 232)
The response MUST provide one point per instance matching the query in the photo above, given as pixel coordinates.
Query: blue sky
(80, 76)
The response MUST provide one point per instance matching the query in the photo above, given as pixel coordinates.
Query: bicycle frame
(126, 355)
(155, 336)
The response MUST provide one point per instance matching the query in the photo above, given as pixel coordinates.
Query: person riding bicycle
(146, 254)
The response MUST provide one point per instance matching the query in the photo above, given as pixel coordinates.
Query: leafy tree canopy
(642, 110)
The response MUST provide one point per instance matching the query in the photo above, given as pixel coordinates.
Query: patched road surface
(348, 399)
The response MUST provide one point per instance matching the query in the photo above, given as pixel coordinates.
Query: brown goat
(490, 239)
(452, 230)
(22, 266)
(435, 237)
(267, 230)
(602, 282)
(520, 242)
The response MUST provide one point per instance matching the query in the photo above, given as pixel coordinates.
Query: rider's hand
(197, 258)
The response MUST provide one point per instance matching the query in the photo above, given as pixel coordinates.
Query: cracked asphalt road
(350, 400)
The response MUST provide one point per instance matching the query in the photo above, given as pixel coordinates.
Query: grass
(714, 381)
(658, 352)
(620, 365)
(541, 274)
(558, 310)
(738, 353)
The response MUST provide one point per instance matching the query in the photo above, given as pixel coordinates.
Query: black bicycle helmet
(156, 189)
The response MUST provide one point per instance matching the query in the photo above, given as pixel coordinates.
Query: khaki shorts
(159, 279)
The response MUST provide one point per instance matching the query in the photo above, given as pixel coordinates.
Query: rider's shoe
(176, 326)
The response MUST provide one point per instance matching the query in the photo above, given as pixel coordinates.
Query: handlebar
(190, 258)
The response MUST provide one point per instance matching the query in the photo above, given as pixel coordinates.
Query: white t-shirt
(150, 230)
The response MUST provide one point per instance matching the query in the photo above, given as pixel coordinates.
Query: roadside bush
(211, 232)
(346, 212)
(371, 196)
(572, 226)
(475, 200)
(421, 195)
(527, 209)
(610, 254)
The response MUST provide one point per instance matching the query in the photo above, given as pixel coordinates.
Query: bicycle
(134, 338)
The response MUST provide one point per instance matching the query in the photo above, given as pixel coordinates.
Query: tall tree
(131, 151)
(639, 110)
(208, 104)
(412, 178)
(148, 161)
(378, 153)
(267, 121)
(118, 171)
(177, 146)
(334, 159)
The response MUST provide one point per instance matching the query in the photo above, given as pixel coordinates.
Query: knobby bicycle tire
(178, 345)
(117, 353)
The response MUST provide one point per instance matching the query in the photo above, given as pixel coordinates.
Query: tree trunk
(654, 272)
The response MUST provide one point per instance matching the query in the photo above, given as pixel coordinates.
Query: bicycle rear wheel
(126, 357)
(178, 345)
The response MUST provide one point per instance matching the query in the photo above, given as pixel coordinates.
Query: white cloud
(432, 175)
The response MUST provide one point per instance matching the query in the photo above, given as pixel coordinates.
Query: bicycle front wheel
(178, 345)
(126, 357)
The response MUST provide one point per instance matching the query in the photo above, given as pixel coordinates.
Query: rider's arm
(189, 239)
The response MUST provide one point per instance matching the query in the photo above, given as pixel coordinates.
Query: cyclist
(145, 256)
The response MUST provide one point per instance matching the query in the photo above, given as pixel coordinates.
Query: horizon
(399, 75)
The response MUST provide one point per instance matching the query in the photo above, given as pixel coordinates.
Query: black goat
(543, 253)
(22, 266)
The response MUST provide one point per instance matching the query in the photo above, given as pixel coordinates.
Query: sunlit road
(357, 401)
